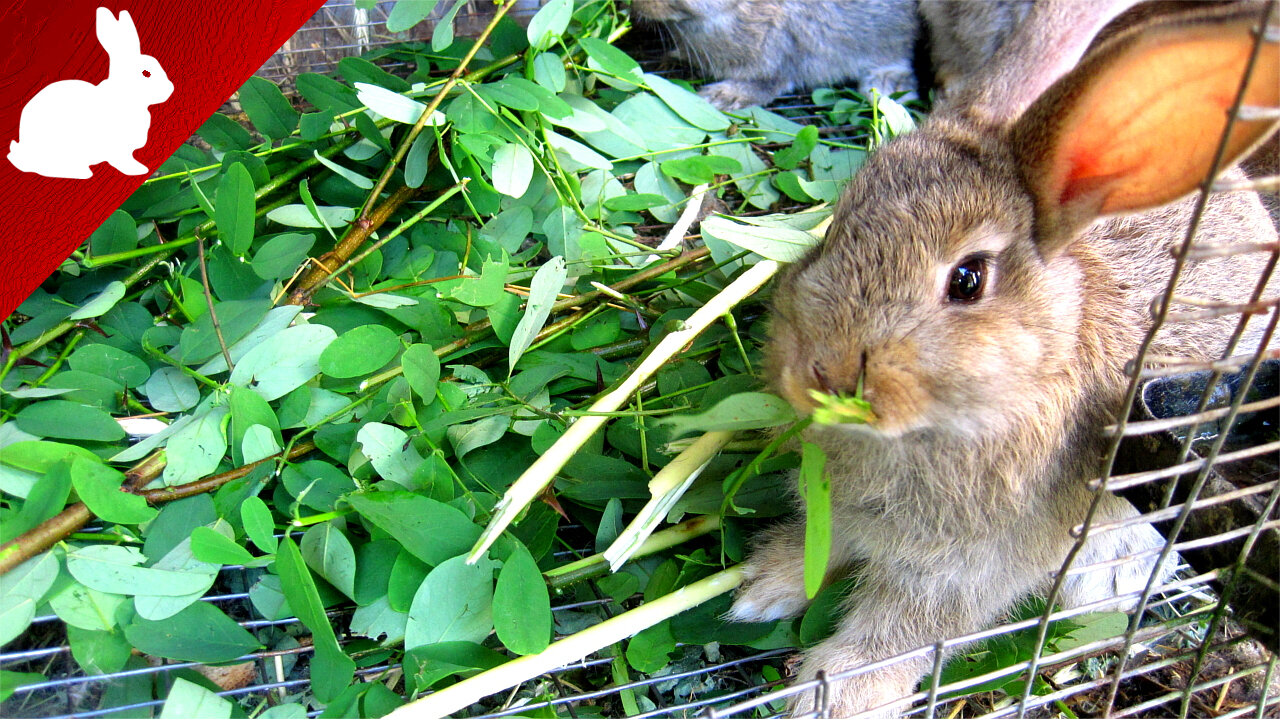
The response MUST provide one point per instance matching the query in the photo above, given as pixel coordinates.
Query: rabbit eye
(146, 73)
(967, 280)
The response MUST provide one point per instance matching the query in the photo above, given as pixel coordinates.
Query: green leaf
(454, 603)
(606, 57)
(21, 590)
(548, 69)
(225, 134)
(234, 211)
(350, 176)
(815, 489)
(512, 169)
(432, 531)
(99, 488)
(110, 362)
(388, 448)
(117, 569)
(301, 216)
(426, 665)
(38, 456)
(181, 559)
(648, 650)
(543, 291)
(99, 304)
(577, 152)
(484, 290)
(824, 613)
(395, 106)
(407, 13)
(281, 254)
(328, 552)
(86, 608)
(359, 351)
(194, 450)
(332, 670)
(98, 651)
(189, 700)
(687, 105)
(442, 35)
(743, 411)
(258, 524)
(171, 390)
(268, 108)
(11, 681)
(775, 243)
(418, 161)
(700, 169)
(635, 202)
(119, 233)
(468, 437)
(549, 23)
(521, 604)
(378, 621)
(68, 420)
(201, 633)
(283, 361)
(422, 370)
(210, 546)
(357, 69)
(325, 92)
(795, 153)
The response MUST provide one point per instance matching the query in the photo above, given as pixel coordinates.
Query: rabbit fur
(760, 49)
(959, 500)
(55, 140)
(965, 34)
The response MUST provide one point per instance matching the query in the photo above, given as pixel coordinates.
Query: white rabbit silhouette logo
(71, 125)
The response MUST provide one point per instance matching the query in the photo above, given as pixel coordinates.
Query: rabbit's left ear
(118, 37)
(1137, 123)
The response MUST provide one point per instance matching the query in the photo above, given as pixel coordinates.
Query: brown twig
(75, 516)
(356, 235)
(208, 298)
(431, 108)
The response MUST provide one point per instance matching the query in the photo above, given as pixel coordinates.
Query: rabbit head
(965, 283)
(130, 71)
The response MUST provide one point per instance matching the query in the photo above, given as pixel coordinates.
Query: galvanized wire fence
(343, 29)
(1202, 468)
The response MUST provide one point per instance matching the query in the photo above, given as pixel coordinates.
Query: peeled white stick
(544, 469)
(571, 649)
(676, 235)
(665, 489)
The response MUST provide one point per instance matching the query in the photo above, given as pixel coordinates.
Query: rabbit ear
(1136, 125)
(118, 37)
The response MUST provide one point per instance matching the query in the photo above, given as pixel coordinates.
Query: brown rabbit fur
(959, 499)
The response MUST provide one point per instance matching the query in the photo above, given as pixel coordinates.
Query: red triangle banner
(92, 109)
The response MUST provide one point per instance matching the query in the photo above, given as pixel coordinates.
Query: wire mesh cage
(347, 28)
(1196, 454)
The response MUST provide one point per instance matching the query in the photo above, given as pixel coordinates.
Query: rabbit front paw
(772, 591)
(730, 95)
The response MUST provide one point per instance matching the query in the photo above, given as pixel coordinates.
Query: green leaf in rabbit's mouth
(840, 409)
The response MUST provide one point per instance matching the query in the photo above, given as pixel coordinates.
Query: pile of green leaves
(345, 454)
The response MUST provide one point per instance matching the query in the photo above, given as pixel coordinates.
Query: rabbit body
(760, 49)
(55, 140)
(965, 34)
(960, 498)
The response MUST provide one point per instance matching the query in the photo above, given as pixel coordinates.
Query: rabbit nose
(843, 380)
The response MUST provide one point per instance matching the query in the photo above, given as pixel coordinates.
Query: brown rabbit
(979, 283)
(760, 49)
